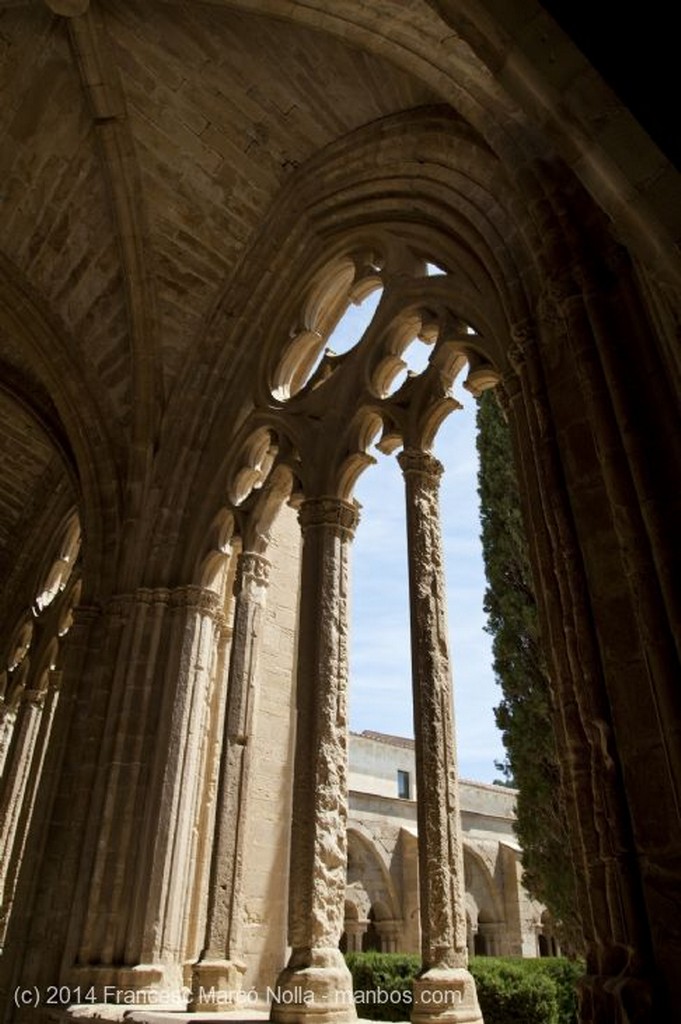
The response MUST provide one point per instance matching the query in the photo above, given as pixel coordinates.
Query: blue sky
(380, 676)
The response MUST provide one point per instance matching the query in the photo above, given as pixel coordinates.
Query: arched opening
(401, 347)
(145, 285)
(371, 916)
(371, 940)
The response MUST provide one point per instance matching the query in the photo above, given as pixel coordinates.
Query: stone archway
(177, 179)
(372, 916)
(487, 927)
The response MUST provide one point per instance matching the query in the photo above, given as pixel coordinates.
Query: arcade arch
(372, 908)
(185, 242)
(485, 917)
(31, 688)
(314, 429)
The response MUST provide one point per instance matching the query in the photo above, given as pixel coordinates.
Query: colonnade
(159, 629)
(30, 691)
(316, 980)
(156, 733)
(388, 933)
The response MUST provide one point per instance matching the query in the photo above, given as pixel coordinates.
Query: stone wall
(192, 195)
(383, 872)
(265, 883)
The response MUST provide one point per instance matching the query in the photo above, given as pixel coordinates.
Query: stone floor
(140, 1015)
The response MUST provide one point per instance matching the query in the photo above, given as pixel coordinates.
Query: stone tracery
(183, 238)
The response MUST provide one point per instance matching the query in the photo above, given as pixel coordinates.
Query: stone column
(388, 932)
(581, 602)
(355, 931)
(133, 903)
(16, 806)
(20, 759)
(445, 990)
(316, 984)
(216, 979)
(8, 716)
(470, 938)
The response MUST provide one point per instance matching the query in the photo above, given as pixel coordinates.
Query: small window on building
(402, 784)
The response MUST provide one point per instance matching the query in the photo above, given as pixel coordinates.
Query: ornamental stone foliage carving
(193, 197)
(319, 812)
(441, 873)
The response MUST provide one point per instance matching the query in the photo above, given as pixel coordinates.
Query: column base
(445, 995)
(144, 986)
(216, 986)
(314, 988)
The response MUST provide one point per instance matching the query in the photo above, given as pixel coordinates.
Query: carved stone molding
(445, 980)
(523, 341)
(203, 600)
(414, 461)
(329, 511)
(319, 819)
(562, 287)
(254, 568)
(35, 697)
(508, 391)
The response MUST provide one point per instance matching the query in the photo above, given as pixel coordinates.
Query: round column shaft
(316, 984)
(445, 990)
(216, 978)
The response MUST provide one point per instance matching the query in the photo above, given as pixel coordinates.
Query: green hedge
(509, 994)
(510, 991)
(382, 984)
(564, 974)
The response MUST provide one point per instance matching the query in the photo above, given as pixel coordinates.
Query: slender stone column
(445, 990)
(19, 768)
(216, 979)
(8, 715)
(316, 984)
(35, 726)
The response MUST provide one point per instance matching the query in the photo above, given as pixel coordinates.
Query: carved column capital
(413, 461)
(200, 599)
(253, 568)
(35, 697)
(54, 680)
(523, 341)
(509, 391)
(122, 604)
(329, 511)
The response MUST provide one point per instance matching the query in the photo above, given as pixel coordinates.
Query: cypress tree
(524, 713)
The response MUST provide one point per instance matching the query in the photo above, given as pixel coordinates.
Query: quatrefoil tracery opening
(342, 308)
(57, 576)
(339, 306)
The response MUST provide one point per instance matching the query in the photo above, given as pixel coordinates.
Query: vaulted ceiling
(143, 145)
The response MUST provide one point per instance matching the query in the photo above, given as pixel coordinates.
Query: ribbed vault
(162, 161)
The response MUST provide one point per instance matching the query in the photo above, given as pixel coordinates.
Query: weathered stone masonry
(192, 196)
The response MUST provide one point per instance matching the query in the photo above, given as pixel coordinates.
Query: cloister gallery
(192, 193)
